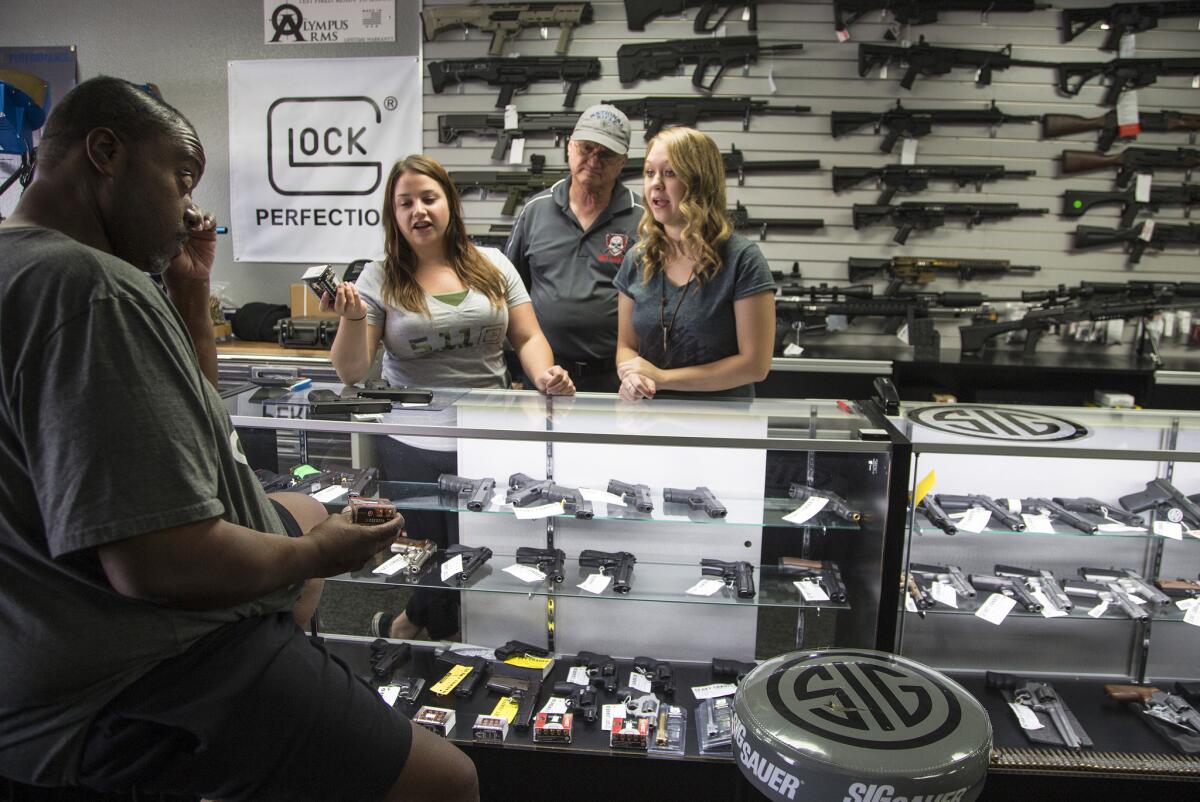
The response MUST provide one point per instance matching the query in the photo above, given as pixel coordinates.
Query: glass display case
(1058, 547)
(789, 499)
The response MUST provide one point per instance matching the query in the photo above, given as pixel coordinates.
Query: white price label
(811, 591)
(525, 573)
(975, 520)
(1039, 523)
(902, 333)
(908, 151)
(601, 497)
(1186, 604)
(714, 691)
(1141, 188)
(1169, 529)
(452, 567)
(511, 118)
(1026, 717)
(1192, 616)
(943, 594)
(389, 693)
(608, 713)
(330, 494)
(578, 675)
(540, 511)
(1098, 610)
(842, 35)
(595, 583)
(1114, 528)
(811, 506)
(516, 151)
(555, 704)
(706, 587)
(1127, 46)
(995, 608)
(772, 88)
(639, 682)
(910, 604)
(1147, 232)
(392, 566)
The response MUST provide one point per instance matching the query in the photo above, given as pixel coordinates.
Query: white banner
(311, 142)
(325, 21)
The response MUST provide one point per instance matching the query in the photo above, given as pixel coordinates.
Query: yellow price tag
(529, 661)
(924, 486)
(446, 684)
(506, 708)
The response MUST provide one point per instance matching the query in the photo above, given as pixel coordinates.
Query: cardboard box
(304, 302)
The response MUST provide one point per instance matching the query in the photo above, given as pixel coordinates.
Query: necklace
(663, 323)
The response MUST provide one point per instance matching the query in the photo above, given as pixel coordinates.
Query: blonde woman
(442, 309)
(696, 309)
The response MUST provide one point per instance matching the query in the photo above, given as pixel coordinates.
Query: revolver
(1002, 513)
(473, 558)
(1039, 579)
(738, 575)
(617, 563)
(638, 495)
(478, 491)
(1010, 587)
(1042, 697)
(660, 673)
(825, 572)
(833, 502)
(699, 498)
(548, 561)
(1157, 703)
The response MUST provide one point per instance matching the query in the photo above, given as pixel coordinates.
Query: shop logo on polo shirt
(615, 246)
(320, 145)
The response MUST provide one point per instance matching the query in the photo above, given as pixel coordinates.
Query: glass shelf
(923, 527)
(742, 512)
(658, 582)
(1166, 613)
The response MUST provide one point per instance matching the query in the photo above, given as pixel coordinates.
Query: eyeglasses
(589, 150)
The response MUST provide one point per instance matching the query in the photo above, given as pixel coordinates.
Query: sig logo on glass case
(322, 145)
(997, 423)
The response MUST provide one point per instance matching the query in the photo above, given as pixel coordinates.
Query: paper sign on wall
(316, 22)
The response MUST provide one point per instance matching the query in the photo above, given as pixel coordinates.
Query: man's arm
(187, 283)
(212, 564)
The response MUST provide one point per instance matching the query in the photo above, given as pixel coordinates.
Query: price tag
(771, 87)
(446, 684)
(452, 567)
(1127, 47)
(1141, 191)
(811, 506)
(705, 587)
(639, 682)
(595, 583)
(545, 32)
(556, 704)
(811, 591)
(746, 14)
(1192, 616)
(910, 603)
(1014, 505)
(511, 118)
(902, 333)
(1113, 528)
(943, 594)
(842, 35)
(1186, 604)
(516, 151)
(1169, 529)
(578, 675)
(995, 608)
(331, 493)
(908, 151)
(525, 573)
(1026, 717)
(506, 708)
(714, 691)
(1098, 610)
(1039, 523)
(601, 497)
(883, 71)
(1196, 82)
(608, 713)
(975, 520)
(1048, 609)
(1147, 232)
(389, 693)
(540, 511)
(392, 566)
(1128, 121)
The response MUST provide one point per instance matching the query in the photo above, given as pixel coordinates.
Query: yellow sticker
(924, 486)
(529, 661)
(446, 684)
(506, 708)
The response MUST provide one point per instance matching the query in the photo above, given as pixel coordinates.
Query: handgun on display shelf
(825, 572)
(1094, 506)
(517, 648)
(1040, 697)
(723, 668)
(937, 516)
(921, 598)
(387, 657)
(634, 494)
(416, 552)
(581, 699)
(473, 558)
(525, 690)
(699, 498)
(1039, 579)
(952, 575)
(738, 575)
(478, 491)
(953, 503)
(1179, 588)
(1109, 592)
(1057, 512)
(1128, 580)
(601, 669)
(617, 564)
(448, 660)
(1166, 501)
(833, 502)
(1156, 703)
(548, 561)
(1013, 588)
(524, 490)
(660, 673)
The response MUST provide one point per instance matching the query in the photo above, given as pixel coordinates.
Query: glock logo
(320, 146)
(864, 701)
(997, 423)
(286, 20)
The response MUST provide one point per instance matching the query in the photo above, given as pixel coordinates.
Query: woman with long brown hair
(442, 309)
(696, 302)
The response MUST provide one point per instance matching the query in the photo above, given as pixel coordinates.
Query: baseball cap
(604, 125)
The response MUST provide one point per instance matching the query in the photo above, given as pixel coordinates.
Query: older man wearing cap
(569, 242)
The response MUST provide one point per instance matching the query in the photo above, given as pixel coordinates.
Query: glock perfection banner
(310, 22)
(310, 144)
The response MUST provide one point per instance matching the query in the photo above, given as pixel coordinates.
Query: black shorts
(252, 711)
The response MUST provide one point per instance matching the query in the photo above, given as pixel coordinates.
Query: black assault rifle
(1077, 204)
(919, 216)
(1158, 122)
(656, 112)
(895, 178)
(922, 12)
(1121, 74)
(655, 59)
(1130, 161)
(511, 74)
(639, 12)
(921, 270)
(559, 124)
(502, 20)
(1147, 234)
(740, 216)
(1122, 18)
(735, 163)
(916, 123)
(926, 59)
(517, 185)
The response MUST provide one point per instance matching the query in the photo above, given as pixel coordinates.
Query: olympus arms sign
(320, 146)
